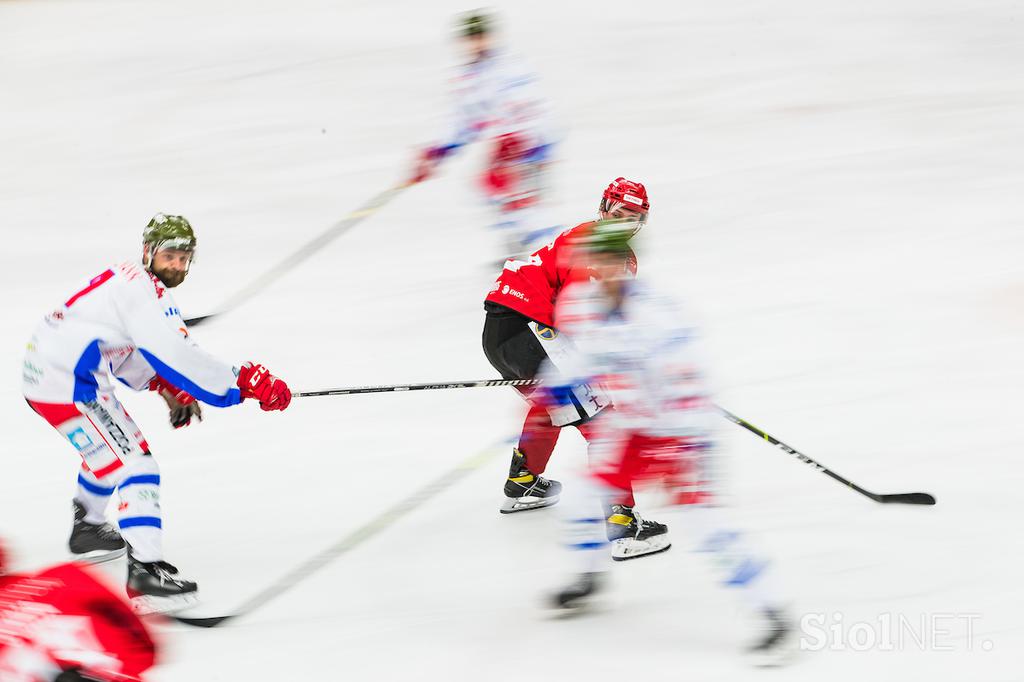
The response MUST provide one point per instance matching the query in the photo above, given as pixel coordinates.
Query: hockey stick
(314, 245)
(895, 498)
(349, 542)
(396, 388)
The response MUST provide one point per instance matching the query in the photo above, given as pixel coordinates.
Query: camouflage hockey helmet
(169, 232)
(608, 236)
(475, 23)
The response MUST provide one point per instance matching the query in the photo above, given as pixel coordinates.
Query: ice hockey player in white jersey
(124, 325)
(497, 97)
(638, 345)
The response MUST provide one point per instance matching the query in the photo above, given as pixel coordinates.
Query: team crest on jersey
(546, 333)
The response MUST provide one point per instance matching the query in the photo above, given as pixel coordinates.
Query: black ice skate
(524, 490)
(579, 593)
(93, 543)
(155, 588)
(632, 536)
(773, 648)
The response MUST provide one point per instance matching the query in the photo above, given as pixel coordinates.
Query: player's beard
(170, 278)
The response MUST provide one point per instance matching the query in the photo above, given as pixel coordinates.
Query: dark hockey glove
(426, 163)
(181, 404)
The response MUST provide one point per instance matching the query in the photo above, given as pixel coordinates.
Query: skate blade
(99, 556)
(781, 653)
(512, 505)
(148, 605)
(584, 607)
(776, 657)
(625, 549)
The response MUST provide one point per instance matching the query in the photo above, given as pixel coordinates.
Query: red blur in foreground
(62, 619)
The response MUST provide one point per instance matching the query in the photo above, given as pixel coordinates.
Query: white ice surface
(836, 189)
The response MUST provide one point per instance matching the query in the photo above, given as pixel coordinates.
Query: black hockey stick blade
(210, 622)
(907, 498)
(195, 321)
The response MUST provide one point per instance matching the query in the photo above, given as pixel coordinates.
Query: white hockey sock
(93, 495)
(584, 529)
(734, 559)
(139, 511)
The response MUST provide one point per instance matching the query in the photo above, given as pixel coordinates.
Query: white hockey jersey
(122, 324)
(644, 354)
(499, 94)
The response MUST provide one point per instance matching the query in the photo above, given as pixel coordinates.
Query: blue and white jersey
(499, 94)
(122, 324)
(644, 354)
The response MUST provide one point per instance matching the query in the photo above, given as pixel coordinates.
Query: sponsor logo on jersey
(80, 439)
(171, 312)
(512, 292)
(546, 333)
(117, 353)
(115, 431)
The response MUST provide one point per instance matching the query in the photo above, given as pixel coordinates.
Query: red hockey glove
(256, 381)
(427, 162)
(182, 405)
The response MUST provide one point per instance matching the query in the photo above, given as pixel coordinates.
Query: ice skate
(579, 594)
(774, 647)
(524, 490)
(94, 543)
(154, 587)
(633, 537)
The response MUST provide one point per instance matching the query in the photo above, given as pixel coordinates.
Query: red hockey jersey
(62, 618)
(530, 287)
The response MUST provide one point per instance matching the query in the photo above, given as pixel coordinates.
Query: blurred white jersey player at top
(498, 98)
(124, 325)
(636, 343)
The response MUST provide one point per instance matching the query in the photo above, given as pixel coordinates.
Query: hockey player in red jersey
(63, 625)
(519, 334)
(123, 324)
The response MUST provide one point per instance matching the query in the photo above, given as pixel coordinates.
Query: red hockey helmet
(628, 194)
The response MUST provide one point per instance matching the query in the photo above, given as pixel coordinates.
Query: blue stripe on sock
(133, 521)
(586, 520)
(588, 545)
(93, 488)
(141, 479)
(747, 571)
(718, 541)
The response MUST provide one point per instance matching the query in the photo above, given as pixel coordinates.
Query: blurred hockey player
(520, 333)
(497, 97)
(123, 324)
(63, 625)
(638, 344)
